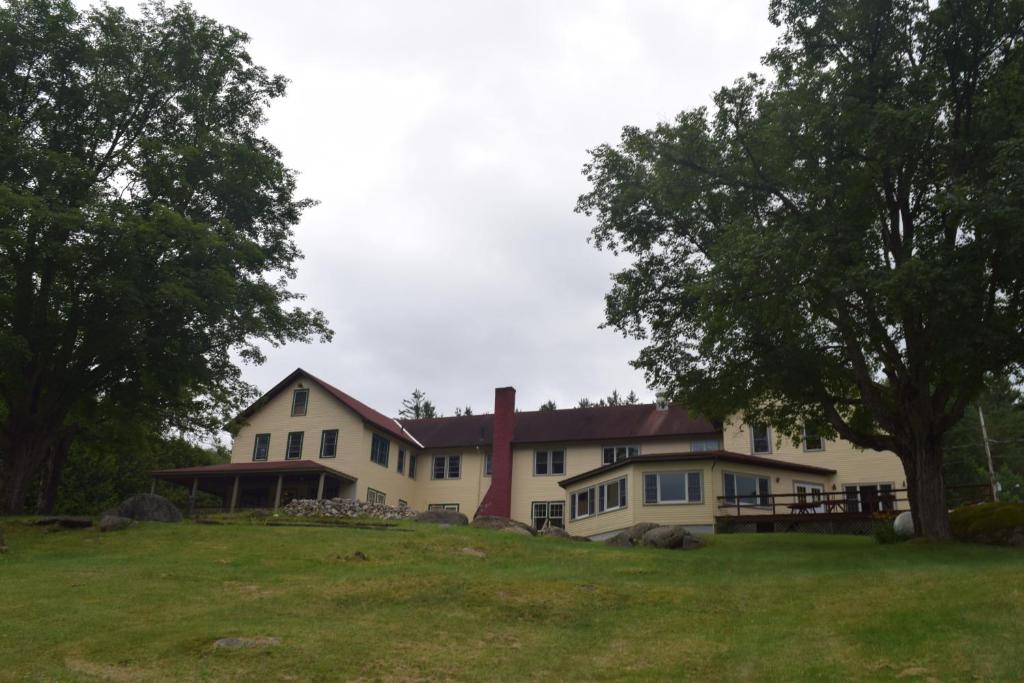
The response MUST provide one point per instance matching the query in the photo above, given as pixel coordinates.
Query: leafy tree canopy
(145, 224)
(837, 242)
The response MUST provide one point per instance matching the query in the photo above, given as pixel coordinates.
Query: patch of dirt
(912, 671)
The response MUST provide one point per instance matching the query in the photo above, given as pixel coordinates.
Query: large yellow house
(593, 471)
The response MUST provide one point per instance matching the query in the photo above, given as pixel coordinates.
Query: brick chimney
(498, 499)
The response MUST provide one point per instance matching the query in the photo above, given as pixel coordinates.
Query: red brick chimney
(498, 499)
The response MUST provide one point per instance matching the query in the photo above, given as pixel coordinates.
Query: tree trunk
(19, 466)
(53, 469)
(927, 493)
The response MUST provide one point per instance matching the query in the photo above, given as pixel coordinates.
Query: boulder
(518, 530)
(903, 525)
(149, 507)
(442, 517)
(555, 531)
(114, 523)
(501, 524)
(671, 537)
(63, 521)
(632, 536)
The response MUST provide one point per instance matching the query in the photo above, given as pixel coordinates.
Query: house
(593, 471)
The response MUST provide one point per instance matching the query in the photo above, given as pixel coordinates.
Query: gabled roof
(365, 412)
(573, 424)
(724, 456)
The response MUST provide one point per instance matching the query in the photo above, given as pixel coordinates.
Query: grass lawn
(148, 603)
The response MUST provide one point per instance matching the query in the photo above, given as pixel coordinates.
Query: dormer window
(300, 402)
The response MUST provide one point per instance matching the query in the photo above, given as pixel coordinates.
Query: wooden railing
(815, 503)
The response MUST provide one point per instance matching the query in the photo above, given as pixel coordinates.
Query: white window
(705, 445)
(673, 487)
(488, 464)
(300, 402)
(447, 467)
(611, 495)
(746, 489)
(329, 443)
(582, 503)
(443, 506)
(375, 497)
(380, 448)
(548, 511)
(293, 449)
(813, 440)
(261, 448)
(761, 438)
(613, 454)
(549, 462)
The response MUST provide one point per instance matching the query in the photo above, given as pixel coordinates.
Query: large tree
(145, 225)
(839, 241)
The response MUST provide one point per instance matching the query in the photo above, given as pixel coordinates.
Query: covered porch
(261, 484)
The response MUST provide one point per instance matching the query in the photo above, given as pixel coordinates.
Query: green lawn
(147, 604)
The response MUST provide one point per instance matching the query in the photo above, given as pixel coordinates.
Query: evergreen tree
(417, 407)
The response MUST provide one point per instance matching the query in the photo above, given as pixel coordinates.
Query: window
(673, 487)
(402, 503)
(375, 497)
(412, 465)
(746, 489)
(329, 443)
(549, 462)
(261, 447)
(379, 450)
(760, 435)
(813, 440)
(293, 450)
(705, 445)
(611, 495)
(613, 454)
(488, 464)
(443, 506)
(300, 402)
(447, 467)
(549, 511)
(401, 461)
(582, 504)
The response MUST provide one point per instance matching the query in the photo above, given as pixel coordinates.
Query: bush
(993, 523)
(884, 532)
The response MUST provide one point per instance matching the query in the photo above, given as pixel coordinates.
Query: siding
(468, 490)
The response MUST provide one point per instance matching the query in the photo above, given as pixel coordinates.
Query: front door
(809, 497)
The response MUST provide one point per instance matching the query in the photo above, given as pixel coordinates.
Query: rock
(903, 525)
(346, 507)
(149, 507)
(260, 641)
(627, 538)
(63, 521)
(671, 537)
(474, 552)
(501, 524)
(442, 517)
(357, 556)
(555, 531)
(518, 530)
(114, 523)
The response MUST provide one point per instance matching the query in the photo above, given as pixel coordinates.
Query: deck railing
(849, 503)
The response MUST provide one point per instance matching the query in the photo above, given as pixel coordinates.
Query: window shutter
(694, 490)
(730, 487)
(650, 488)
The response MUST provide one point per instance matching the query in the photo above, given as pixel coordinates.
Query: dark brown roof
(233, 468)
(368, 414)
(574, 424)
(723, 456)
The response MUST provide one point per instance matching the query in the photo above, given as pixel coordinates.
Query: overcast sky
(444, 141)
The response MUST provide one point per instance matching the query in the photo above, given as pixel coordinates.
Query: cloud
(445, 141)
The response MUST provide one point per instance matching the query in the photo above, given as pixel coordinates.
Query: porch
(261, 484)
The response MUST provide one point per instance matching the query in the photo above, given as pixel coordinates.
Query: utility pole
(988, 454)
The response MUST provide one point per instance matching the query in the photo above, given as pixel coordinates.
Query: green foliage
(837, 243)
(145, 224)
(996, 523)
(418, 406)
(883, 532)
(549, 405)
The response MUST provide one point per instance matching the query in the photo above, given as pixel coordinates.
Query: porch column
(192, 498)
(234, 495)
(320, 486)
(277, 496)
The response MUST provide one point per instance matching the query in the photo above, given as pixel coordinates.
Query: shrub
(994, 523)
(884, 532)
